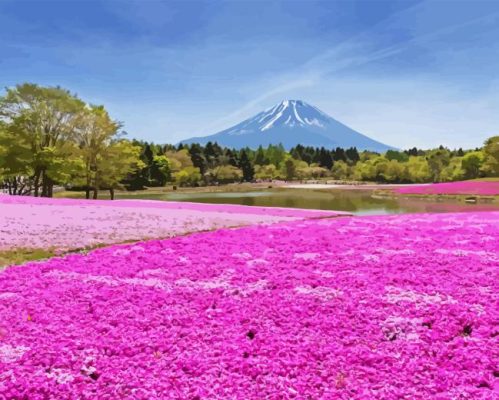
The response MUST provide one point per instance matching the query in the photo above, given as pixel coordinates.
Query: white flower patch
(488, 238)
(395, 295)
(149, 282)
(242, 256)
(370, 257)
(392, 252)
(486, 255)
(322, 292)
(324, 274)
(306, 256)
(111, 281)
(416, 239)
(60, 376)
(396, 327)
(257, 261)
(121, 252)
(254, 287)
(215, 283)
(137, 248)
(152, 272)
(184, 260)
(7, 295)
(10, 354)
(478, 309)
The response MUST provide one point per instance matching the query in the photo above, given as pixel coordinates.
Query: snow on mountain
(292, 122)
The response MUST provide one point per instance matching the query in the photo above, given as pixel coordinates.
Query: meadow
(296, 304)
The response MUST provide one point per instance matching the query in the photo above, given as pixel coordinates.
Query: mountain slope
(292, 122)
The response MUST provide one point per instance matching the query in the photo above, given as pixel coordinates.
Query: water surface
(358, 202)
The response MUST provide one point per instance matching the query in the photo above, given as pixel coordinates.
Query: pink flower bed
(464, 187)
(63, 224)
(385, 307)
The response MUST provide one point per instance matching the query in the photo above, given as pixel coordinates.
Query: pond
(359, 202)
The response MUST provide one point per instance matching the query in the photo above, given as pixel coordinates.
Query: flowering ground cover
(483, 188)
(385, 307)
(64, 224)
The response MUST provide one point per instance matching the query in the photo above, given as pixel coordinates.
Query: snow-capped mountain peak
(291, 122)
(290, 113)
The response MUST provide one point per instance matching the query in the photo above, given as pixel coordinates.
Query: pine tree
(246, 167)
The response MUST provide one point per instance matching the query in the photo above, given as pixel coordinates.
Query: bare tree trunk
(44, 184)
(87, 192)
(95, 193)
(111, 193)
(37, 183)
(50, 188)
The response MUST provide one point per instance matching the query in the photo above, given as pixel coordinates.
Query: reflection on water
(358, 202)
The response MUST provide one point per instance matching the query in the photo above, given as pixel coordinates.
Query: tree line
(193, 165)
(50, 137)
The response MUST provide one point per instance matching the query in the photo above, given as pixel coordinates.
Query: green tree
(44, 118)
(246, 167)
(160, 170)
(16, 163)
(289, 168)
(118, 160)
(400, 156)
(471, 164)
(96, 133)
(418, 169)
(340, 170)
(437, 160)
(225, 174)
(266, 172)
(491, 157)
(188, 176)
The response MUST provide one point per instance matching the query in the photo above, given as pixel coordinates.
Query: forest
(50, 138)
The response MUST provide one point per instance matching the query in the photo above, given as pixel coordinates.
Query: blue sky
(408, 73)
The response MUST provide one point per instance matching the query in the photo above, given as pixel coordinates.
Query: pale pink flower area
(64, 224)
(385, 307)
(483, 188)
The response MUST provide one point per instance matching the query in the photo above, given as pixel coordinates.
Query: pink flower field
(64, 224)
(465, 187)
(385, 307)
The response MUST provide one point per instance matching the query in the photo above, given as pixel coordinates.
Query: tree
(353, 155)
(452, 171)
(289, 168)
(226, 174)
(340, 170)
(260, 157)
(16, 163)
(188, 176)
(197, 157)
(246, 167)
(491, 157)
(400, 156)
(471, 164)
(325, 159)
(95, 135)
(418, 169)
(118, 160)
(265, 172)
(437, 160)
(160, 170)
(43, 118)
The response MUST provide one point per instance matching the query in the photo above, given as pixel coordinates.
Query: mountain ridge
(291, 122)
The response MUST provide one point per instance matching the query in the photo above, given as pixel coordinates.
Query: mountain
(291, 122)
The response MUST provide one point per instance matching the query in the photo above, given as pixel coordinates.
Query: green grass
(490, 179)
(20, 256)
